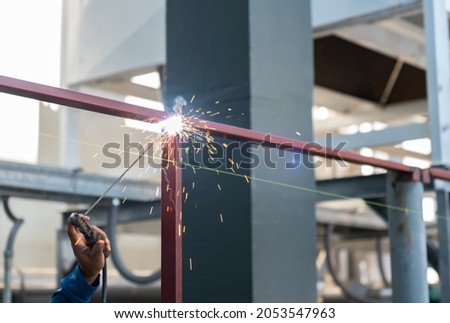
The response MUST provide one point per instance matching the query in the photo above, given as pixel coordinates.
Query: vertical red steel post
(171, 222)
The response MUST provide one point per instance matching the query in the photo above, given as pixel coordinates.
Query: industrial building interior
(370, 77)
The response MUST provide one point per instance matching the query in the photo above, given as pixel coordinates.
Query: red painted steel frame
(97, 104)
(312, 148)
(440, 173)
(171, 267)
(171, 223)
(78, 100)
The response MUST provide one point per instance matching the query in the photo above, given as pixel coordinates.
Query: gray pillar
(438, 78)
(407, 240)
(245, 242)
(443, 221)
(438, 92)
(207, 56)
(283, 218)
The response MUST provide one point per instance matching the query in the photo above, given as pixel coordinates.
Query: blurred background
(346, 71)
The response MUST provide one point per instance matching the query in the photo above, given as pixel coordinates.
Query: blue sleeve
(75, 289)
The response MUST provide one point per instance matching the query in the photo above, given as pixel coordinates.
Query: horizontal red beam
(438, 173)
(116, 108)
(315, 149)
(78, 100)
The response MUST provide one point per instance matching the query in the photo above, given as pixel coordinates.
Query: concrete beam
(58, 184)
(389, 136)
(389, 114)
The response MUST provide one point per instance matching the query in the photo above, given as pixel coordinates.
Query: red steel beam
(243, 134)
(440, 173)
(116, 108)
(171, 223)
(78, 100)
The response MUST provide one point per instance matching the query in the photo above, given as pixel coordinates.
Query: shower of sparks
(186, 125)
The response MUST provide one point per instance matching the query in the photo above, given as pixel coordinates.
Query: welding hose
(104, 283)
(115, 256)
(337, 281)
(7, 293)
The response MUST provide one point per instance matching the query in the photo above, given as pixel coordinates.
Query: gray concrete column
(250, 64)
(283, 214)
(438, 78)
(443, 221)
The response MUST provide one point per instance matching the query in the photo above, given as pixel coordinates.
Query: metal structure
(171, 222)
(171, 180)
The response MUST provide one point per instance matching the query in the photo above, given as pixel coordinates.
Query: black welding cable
(337, 281)
(115, 256)
(8, 254)
(104, 280)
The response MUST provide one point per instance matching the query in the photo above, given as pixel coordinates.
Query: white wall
(106, 37)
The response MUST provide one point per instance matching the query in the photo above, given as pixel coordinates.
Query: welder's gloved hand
(90, 260)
